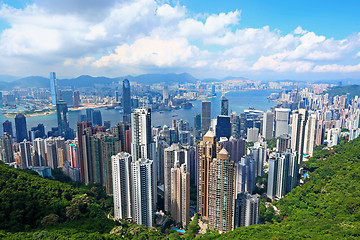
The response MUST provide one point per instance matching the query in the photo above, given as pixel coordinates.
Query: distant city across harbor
(238, 101)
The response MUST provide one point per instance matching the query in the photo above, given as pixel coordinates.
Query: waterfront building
(224, 106)
(21, 128)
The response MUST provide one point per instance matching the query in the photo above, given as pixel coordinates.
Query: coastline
(46, 112)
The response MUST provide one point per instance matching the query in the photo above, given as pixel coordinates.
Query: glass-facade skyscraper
(223, 127)
(20, 126)
(97, 119)
(7, 127)
(53, 88)
(63, 120)
(224, 106)
(205, 116)
(126, 100)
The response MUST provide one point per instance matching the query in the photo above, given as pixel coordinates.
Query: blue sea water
(238, 101)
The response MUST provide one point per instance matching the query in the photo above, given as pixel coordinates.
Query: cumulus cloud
(152, 51)
(337, 68)
(149, 35)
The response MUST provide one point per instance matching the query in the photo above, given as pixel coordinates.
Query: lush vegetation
(271, 143)
(353, 90)
(36, 208)
(327, 206)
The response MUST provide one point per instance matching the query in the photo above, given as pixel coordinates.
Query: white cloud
(152, 51)
(337, 68)
(168, 12)
(299, 30)
(148, 35)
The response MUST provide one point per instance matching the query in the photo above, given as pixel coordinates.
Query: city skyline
(258, 40)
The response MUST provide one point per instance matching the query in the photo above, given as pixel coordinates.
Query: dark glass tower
(224, 106)
(223, 127)
(63, 120)
(205, 117)
(97, 119)
(38, 131)
(126, 101)
(7, 127)
(89, 114)
(20, 126)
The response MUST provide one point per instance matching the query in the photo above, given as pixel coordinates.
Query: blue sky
(251, 38)
(336, 19)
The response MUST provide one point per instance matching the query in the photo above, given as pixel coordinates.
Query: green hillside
(327, 206)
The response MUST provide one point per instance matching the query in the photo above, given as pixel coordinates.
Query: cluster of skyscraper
(147, 169)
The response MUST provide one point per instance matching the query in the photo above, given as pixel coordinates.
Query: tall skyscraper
(126, 100)
(51, 153)
(141, 133)
(235, 125)
(119, 130)
(109, 145)
(180, 194)
(21, 128)
(223, 127)
(205, 117)
(97, 119)
(7, 128)
(221, 192)
(283, 143)
(81, 126)
(76, 99)
(39, 158)
(197, 125)
(247, 210)
(53, 89)
(281, 121)
(25, 154)
(310, 133)
(122, 187)
(165, 93)
(245, 175)
(172, 155)
(258, 153)
(142, 192)
(252, 134)
(6, 148)
(89, 115)
(268, 125)
(224, 106)
(63, 120)
(207, 150)
(236, 148)
(299, 120)
(283, 172)
(320, 133)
